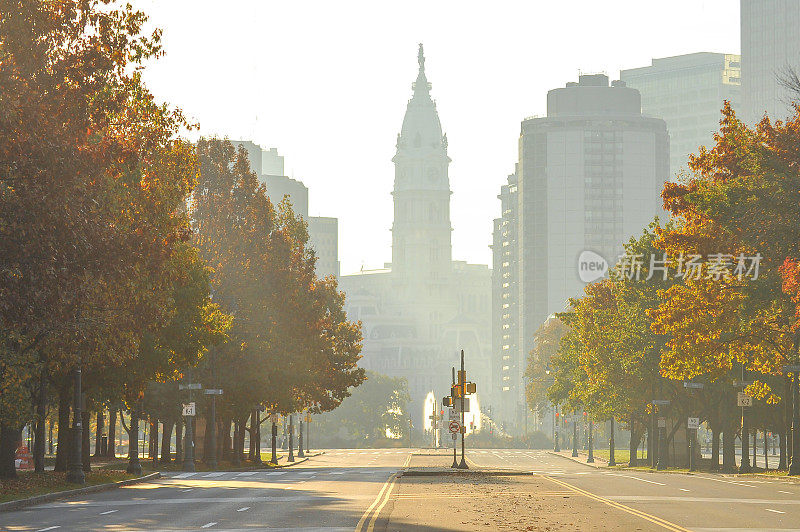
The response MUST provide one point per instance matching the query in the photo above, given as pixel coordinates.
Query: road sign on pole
(662, 422)
(454, 427)
(189, 409)
(693, 423)
(693, 385)
(742, 399)
(660, 402)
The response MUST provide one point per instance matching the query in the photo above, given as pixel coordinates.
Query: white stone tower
(421, 248)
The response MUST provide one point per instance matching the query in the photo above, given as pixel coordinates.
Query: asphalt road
(360, 490)
(700, 502)
(331, 492)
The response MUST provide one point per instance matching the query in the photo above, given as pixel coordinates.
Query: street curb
(10, 506)
(455, 472)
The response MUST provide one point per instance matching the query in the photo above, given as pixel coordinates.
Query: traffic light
(447, 401)
(471, 387)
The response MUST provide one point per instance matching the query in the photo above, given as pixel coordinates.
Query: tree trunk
(86, 456)
(50, 434)
(154, 440)
(41, 420)
(166, 443)
(112, 433)
(236, 434)
(10, 437)
(728, 450)
(64, 431)
(98, 435)
(714, 450)
(253, 429)
(782, 444)
(633, 448)
(179, 440)
(226, 439)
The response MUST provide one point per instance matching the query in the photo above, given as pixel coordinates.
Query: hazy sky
(327, 84)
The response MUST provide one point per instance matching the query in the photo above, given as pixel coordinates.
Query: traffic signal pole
(455, 460)
(463, 381)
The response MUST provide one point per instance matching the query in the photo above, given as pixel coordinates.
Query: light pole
(75, 473)
(611, 461)
(300, 453)
(745, 466)
(291, 438)
(590, 460)
(574, 434)
(794, 464)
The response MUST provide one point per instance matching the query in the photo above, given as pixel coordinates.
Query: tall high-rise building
(422, 308)
(508, 364)
(687, 91)
(770, 48)
(589, 177)
(323, 233)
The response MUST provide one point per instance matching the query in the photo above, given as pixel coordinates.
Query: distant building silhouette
(421, 309)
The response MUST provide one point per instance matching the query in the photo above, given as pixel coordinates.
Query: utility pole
(574, 434)
(75, 473)
(188, 412)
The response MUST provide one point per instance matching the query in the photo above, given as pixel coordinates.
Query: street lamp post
(75, 473)
(300, 453)
(611, 461)
(794, 464)
(557, 448)
(134, 465)
(574, 434)
(745, 466)
(291, 438)
(590, 460)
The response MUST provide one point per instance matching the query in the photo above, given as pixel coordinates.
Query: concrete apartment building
(687, 91)
(770, 47)
(589, 177)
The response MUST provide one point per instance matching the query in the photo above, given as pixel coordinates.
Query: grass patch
(29, 483)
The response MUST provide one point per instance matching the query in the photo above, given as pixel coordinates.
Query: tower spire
(421, 87)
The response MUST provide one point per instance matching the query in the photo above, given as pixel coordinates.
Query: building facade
(423, 308)
(323, 233)
(508, 363)
(770, 49)
(589, 177)
(687, 91)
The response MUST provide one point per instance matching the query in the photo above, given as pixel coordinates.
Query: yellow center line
(653, 519)
(375, 515)
(374, 503)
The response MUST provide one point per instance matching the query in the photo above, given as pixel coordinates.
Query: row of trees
(640, 334)
(135, 255)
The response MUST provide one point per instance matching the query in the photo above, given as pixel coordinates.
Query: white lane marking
(209, 525)
(187, 491)
(48, 528)
(212, 475)
(786, 492)
(774, 511)
(184, 475)
(636, 478)
(276, 473)
(243, 509)
(737, 483)
(683, 489)
(108, 512)
(247, 474)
